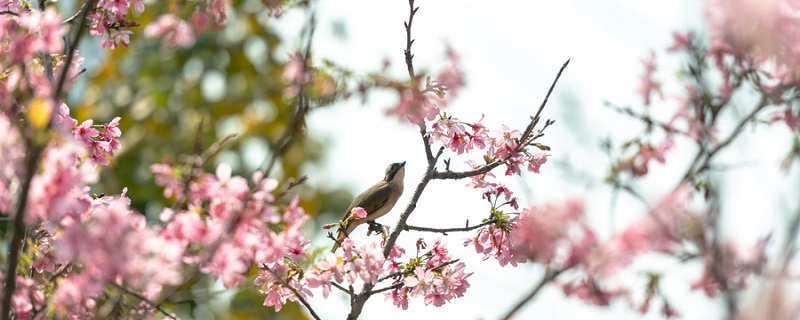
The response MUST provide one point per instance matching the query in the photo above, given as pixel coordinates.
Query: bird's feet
(377, 228)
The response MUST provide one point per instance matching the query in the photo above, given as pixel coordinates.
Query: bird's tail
(339, 238)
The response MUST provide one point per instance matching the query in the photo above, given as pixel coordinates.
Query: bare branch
(444, 231)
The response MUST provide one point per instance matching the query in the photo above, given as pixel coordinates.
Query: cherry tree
(73, 253)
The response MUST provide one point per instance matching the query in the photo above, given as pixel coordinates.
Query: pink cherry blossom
(358, 213)
(175, 32)
(648, 85)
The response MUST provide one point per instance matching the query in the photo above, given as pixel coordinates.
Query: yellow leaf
(39, 112)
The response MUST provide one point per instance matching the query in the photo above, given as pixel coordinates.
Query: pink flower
(399, 298)
(536, 161)
(648, 85)
(445, 130)
(176, 32)
(138, 5)
(504, 142)
(420, 281)
(415, 107)
(110, 133)
(358, 213)
(276, 293)
(539, 233)
(591, 293)
(85, 133)
(479, 135)
(116, 38)
(64, 119)
(451, 77)
(682, 41)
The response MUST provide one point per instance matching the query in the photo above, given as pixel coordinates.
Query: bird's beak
(403, 164)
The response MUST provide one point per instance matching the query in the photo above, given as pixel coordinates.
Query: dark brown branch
(547, 96)
(88, 6)
(444, 231)
(18, 227)
(409, 57)
(392, 287)
(338, 286)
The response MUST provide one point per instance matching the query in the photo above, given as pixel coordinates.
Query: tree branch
(18, 227)
(145, 299)
(89, 5)
(549, 275)
(444, 231)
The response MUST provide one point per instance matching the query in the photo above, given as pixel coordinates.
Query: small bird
(377, 200)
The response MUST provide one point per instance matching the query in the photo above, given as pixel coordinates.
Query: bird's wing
(374, 198)
(376, 195)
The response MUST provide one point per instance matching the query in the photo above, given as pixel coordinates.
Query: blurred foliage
(230, 81)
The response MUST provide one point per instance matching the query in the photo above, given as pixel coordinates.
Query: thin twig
(71, 19)
(394, 286)
(338, 286)
(291, 184)
(525, 139)
(72, 47)
(286, 284)
(444, 231)
(145, 299)
(644, 118)
(549, 275)
(736, 131)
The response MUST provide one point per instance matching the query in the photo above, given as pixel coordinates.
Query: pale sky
(511, 52)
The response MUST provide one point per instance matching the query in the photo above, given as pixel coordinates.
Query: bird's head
(395, 171)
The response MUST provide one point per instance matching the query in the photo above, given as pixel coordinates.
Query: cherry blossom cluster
(671, 228)
(751, 44)
(100, 144)
(31, 45)
(109, 18)
(434, 276)
(281, 281)
(501, 144)
(240, 222)
(85, 241)
(417, 105)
